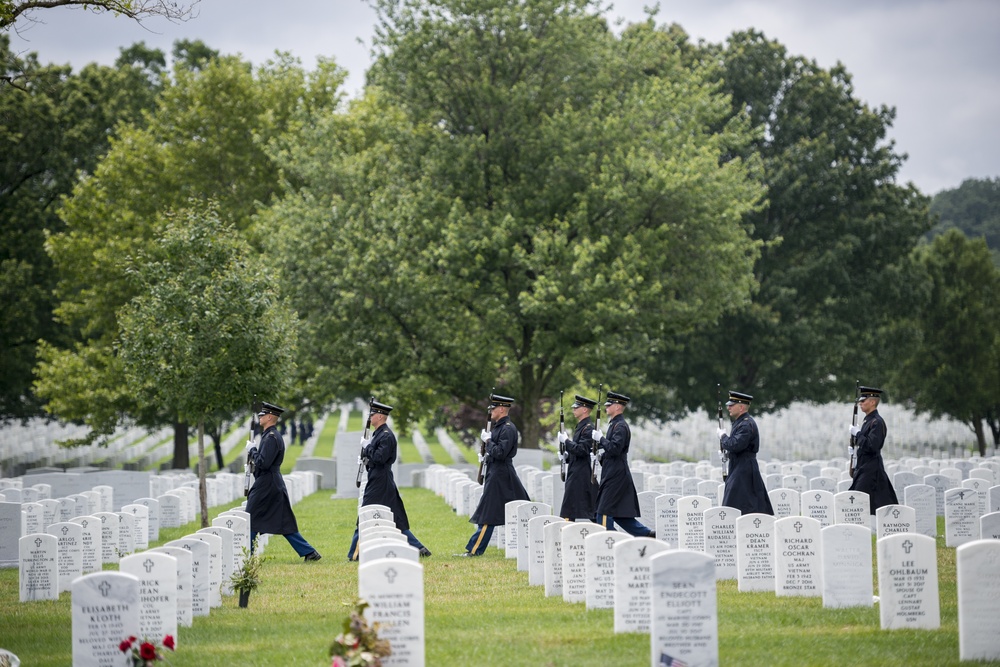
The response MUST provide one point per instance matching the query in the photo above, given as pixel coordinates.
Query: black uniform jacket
(381, 487)
(616, 496)
(869, 471)
(500, 483)
(580, 495)
(745, 488)
(268, 505)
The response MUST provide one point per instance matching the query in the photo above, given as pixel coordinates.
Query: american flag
(668, 661)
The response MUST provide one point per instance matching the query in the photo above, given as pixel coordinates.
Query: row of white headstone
(391, 581)
(797, 555)
(155, 590)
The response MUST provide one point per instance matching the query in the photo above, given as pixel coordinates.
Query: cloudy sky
(937, 62)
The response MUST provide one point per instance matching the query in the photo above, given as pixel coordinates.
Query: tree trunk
(202, 471)
(977, 426)
(181, 458)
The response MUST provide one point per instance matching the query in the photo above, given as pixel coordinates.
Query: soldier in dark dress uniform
(379, 453)
(268, 504)
(580, 495)
(617, 501)
(869, 472)
(500, 482)
(745, 488)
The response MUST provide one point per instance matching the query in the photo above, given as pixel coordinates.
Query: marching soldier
(745, 488)
(379, 453)
(869, 473)
(580, 495)
(500, 484)
(268, 504)
(617, 500)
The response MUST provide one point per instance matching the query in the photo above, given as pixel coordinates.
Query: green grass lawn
(482, 612)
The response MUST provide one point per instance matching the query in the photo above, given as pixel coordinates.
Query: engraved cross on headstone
(851, 498)
(797, 526)
(38, 542)
(895, 514)
(784, 495)
(584, 532)
(534, 509)
(610, 542)
(756, 523)
(694, 504)
(907, 545)
(149, 565)
(105, 588)
(722, 515)
(391, 574)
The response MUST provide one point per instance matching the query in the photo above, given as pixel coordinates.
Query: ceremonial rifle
(854, 422)
(723, 454)
(597, 445)
(562, 445)
(361, 460)
(482, 446)
(248, 466)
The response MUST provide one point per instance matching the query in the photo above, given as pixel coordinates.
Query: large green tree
(836, 228)
(53, 130)
(206, 140)
(205, 328)
(520, 193)
(951, 364)
(974, 208)
(13, 10)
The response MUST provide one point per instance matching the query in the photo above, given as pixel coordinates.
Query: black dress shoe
(313, 556)
(424, 552)
(652, 534)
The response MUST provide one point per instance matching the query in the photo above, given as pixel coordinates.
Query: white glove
(721, 432)
(365, 442)
(562, 437)
(481, 457)
(564, 456)
(596, 434)
(855, 430)
(250, 445)
(359, 460)
(484, 435)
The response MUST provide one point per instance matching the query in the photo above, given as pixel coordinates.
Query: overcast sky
(937, 62)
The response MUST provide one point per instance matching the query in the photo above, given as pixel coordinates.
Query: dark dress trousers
(869, 471)
(501, 484)
(268, 505)
(381, 487)
(616, 496)
(580, 494)
(745, 489)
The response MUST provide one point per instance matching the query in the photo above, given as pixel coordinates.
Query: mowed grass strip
(481, 611)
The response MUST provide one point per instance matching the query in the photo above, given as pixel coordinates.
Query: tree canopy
(519, 192)
(13, 10)
(974, 209)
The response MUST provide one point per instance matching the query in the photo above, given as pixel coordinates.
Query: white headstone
(395, 590)
(185, 613)
(978, 573)
(921, 498)
(684, 614)
(940, 484)
(961, 516)
(378, 549)
(511, 527)
(993, 499)
(200, 573)
(105, 611)
(525, 513)
(852, 507)
(70, 548)
(720, 539)
(215, 566)
(989, 526)
(107, 497)
(797, 568)
(818, 504)
(91, 543)
(632, 583)
(536, 548)
(755, 552)
(38, 574)
(10, 533)
(109, 536)
(552, 557)
(895, 519)
(691, 522)
(574, 568)
(153, 515)
(907, 582)
(228, 561)
(157, 575)
(785, 501)
(140, 515)
(847, 566)
(170, 511)
(666, 518)
(600, 567)
(32, 520)
(126, 533)
(241, 535)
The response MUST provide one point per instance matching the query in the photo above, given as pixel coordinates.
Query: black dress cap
(583, 402)
(381, 408)
(498, 401)
(738, 397)
(615, 397)
(270, 409)
(869, 392)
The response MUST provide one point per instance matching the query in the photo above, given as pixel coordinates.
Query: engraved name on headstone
(684, 615)
(907, 582)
